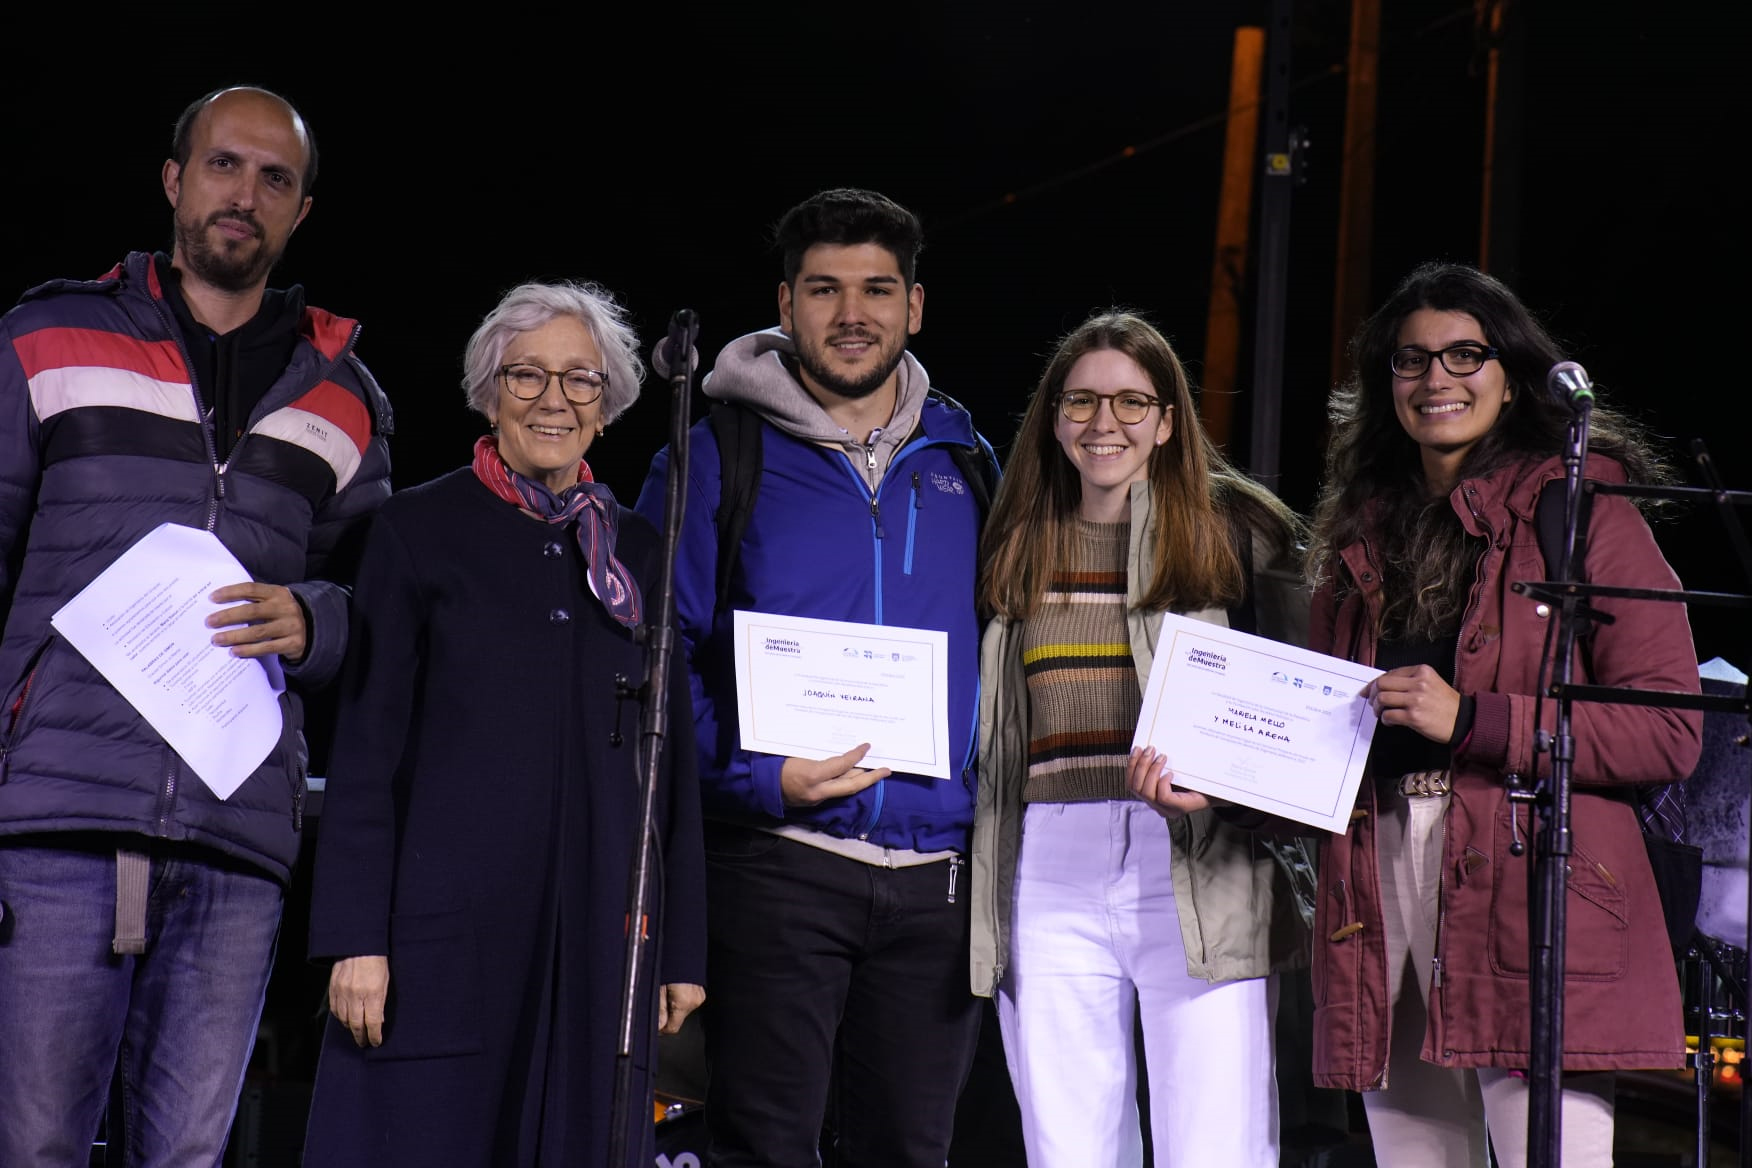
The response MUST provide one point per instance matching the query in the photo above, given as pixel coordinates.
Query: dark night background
(652, 152)
(651, 148)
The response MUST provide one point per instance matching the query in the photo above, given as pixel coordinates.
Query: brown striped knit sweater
(1083, 696)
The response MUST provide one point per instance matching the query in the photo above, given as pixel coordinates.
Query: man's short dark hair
(846, 217)
(185, 128)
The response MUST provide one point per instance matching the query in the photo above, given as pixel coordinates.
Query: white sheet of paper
(816, 688)
(1258, 722)
(142, 625)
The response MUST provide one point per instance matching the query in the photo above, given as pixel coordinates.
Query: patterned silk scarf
(590, 503)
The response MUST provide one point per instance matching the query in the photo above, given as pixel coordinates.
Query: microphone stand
(1551, 870)
(1546, 910)
(659, 636)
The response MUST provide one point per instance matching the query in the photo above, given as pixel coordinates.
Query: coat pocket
(21, 702)
(1596, 920)
(1338, 943)
(435, 999)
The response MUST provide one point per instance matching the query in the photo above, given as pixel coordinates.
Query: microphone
(1569, 384)
(684, 329)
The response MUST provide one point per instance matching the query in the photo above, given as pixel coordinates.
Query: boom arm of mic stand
(654, 723)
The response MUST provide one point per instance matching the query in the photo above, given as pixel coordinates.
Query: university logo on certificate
(810, 688)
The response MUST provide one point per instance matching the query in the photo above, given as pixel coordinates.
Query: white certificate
(1258, 722)
(142, 624)
(816, 688)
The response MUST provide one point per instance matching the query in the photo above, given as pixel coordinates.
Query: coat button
(1542, 610)
(559, 616)
(552, 549)
(1368, 576)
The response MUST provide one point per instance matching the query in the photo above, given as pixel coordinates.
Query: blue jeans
(821, 968)
(176, 1022)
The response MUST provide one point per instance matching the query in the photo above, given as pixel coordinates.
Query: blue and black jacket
(821, 543)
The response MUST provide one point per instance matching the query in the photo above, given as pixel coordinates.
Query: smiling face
(1444, 414)
(849, 313)
(545, 439)
(1108, 454)
(240, 195)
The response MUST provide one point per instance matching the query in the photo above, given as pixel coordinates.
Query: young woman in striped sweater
(1096, 909)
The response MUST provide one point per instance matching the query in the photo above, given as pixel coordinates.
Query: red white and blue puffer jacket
(102, 439)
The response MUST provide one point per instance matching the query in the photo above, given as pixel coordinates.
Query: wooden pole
(1356, 188)
(1222, 351)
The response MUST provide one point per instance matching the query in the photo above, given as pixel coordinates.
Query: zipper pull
(1436, 973)
(876, 517)
(954, 871)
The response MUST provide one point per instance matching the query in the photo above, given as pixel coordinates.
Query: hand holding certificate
(1257, 722)
(142, 624)
(814, 688)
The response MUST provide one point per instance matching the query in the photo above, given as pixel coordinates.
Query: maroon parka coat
(1621, 991)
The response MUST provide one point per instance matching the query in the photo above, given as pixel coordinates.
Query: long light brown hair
(1204, 508)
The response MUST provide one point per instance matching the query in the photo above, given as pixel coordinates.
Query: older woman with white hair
(471, 876)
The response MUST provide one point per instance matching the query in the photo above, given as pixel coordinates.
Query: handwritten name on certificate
(816, 688)
(1258, 722)
(142, 624)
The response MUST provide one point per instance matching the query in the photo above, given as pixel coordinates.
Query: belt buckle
(1424, 784)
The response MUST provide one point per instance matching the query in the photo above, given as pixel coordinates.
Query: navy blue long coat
(479, 828)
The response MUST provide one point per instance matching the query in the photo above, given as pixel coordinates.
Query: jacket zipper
(167, 795)
(879, 535)
(1437, 1016)
(912, 524)
(875, 810)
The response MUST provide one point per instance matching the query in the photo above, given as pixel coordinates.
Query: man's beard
(231, 266)
(848, 388)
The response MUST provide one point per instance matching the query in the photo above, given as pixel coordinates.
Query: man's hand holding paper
(841, 693)
(143, 624)
(259, 620)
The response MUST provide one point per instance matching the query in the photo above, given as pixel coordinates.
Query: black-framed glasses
(1462, 360)
(528, 382)
(1129, 406)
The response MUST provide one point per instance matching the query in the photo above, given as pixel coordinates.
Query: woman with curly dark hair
(1443, 438)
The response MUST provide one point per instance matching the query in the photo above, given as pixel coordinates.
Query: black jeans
(828, 971)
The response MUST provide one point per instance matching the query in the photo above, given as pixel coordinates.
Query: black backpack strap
(737, 431)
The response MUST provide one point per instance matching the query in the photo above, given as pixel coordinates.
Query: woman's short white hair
(529, 306)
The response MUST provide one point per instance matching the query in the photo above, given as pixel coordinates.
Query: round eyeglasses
(528, 382)
(1129, 406)
(1462, 360)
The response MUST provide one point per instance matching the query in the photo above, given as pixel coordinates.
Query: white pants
(1436, 1117)
(1095, 946)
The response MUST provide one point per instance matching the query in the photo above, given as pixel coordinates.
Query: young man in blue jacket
(138, 906)
(837, 906)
